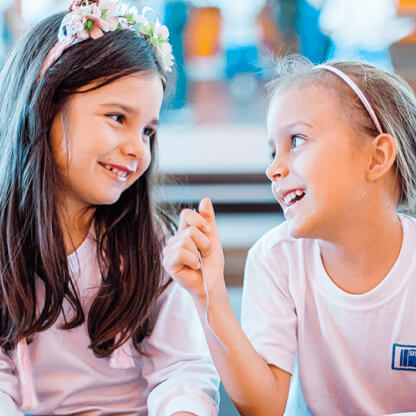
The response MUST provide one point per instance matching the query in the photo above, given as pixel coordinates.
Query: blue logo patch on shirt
(404, 357)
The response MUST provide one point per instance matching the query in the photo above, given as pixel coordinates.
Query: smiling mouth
(292, 197)
(122, 174)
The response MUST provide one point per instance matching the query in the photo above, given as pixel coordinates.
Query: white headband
(356, 89)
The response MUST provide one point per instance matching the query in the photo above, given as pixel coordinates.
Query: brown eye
(149, 132)
(119, 118)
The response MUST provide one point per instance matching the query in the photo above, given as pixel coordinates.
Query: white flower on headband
(90, 19)
(157, 35)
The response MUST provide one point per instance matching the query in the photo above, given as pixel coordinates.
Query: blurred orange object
(406, 7)
(202, 32)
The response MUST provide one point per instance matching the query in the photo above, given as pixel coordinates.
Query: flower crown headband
(87, 19)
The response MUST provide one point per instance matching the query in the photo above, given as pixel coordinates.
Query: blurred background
(213, 140)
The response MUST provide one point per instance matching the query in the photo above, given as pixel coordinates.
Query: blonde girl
(335, 284)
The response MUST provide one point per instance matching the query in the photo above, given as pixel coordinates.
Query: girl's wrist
(217, 294)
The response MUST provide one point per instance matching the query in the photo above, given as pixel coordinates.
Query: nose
(135, 147)
(278, 169)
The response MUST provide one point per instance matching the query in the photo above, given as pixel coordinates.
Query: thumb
(206, 209)
(215, 257)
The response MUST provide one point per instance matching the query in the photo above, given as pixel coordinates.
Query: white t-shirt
(356, 353)
(178, 374)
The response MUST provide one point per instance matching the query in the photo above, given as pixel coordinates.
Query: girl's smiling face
(318, 171)
(100, 140)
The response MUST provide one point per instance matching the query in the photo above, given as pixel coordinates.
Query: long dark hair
(129, 233)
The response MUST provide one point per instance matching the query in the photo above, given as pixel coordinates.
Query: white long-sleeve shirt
(177, 375)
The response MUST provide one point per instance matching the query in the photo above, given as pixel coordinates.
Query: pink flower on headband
(91, 18)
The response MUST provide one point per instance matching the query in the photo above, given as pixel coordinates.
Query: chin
(107, 199)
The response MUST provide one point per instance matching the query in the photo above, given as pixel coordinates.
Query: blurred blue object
(176, 13)
(240, 60)
(313, 43)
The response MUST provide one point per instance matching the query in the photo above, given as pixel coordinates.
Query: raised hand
(197, 233)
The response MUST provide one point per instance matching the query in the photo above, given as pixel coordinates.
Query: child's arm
(9, 387)
(255, 387)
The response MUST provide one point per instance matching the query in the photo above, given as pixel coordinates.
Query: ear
(383, 156)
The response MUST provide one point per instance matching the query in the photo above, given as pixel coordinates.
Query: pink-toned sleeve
(179, 371)
(9, 387)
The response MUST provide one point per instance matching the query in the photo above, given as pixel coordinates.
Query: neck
(75, 223)
(360, 259)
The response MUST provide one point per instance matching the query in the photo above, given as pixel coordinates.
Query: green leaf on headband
(119, 26)
(147, 29)
(89, 25)
(104, 13)
(155, 42)
(130, 18)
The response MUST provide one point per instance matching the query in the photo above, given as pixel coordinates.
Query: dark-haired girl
(89, 322)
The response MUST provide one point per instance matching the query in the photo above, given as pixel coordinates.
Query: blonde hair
(392, 99)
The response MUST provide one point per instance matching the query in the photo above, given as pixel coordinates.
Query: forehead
(140, 90)
(308, 103)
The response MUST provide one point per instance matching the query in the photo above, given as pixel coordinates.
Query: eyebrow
(124, 107)
(296, 123)
(130, 110)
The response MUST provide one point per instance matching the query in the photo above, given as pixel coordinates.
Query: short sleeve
(268, 310)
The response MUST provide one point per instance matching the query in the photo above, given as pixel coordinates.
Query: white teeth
(289, 198)
(120, 173)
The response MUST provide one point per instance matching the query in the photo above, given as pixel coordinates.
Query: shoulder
(408, 223)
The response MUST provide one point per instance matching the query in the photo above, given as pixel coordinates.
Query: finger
(189, 217)
(184, 258)
(191, 239)
(195, 239)
(206, 209)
